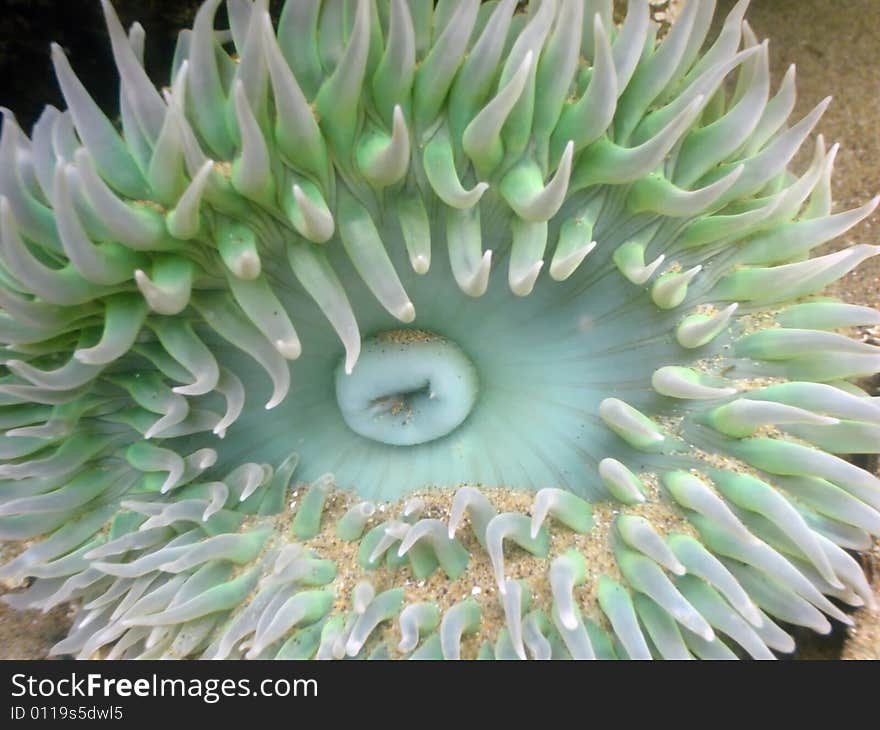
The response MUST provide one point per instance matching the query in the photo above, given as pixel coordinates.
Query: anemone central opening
(408, 387)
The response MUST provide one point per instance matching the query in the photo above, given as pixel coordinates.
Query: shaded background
(835, 44)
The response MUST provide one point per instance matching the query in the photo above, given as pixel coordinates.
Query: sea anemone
(542, 364)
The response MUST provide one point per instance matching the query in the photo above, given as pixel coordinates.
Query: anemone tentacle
(383, 297)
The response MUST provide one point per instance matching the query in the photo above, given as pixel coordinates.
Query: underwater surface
(833, 56)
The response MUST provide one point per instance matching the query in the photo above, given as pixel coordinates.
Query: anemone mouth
(584, 274)
(409, 387)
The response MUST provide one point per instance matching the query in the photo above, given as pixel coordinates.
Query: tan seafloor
(835, 46)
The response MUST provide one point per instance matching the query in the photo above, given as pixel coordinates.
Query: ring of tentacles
(389, 329)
